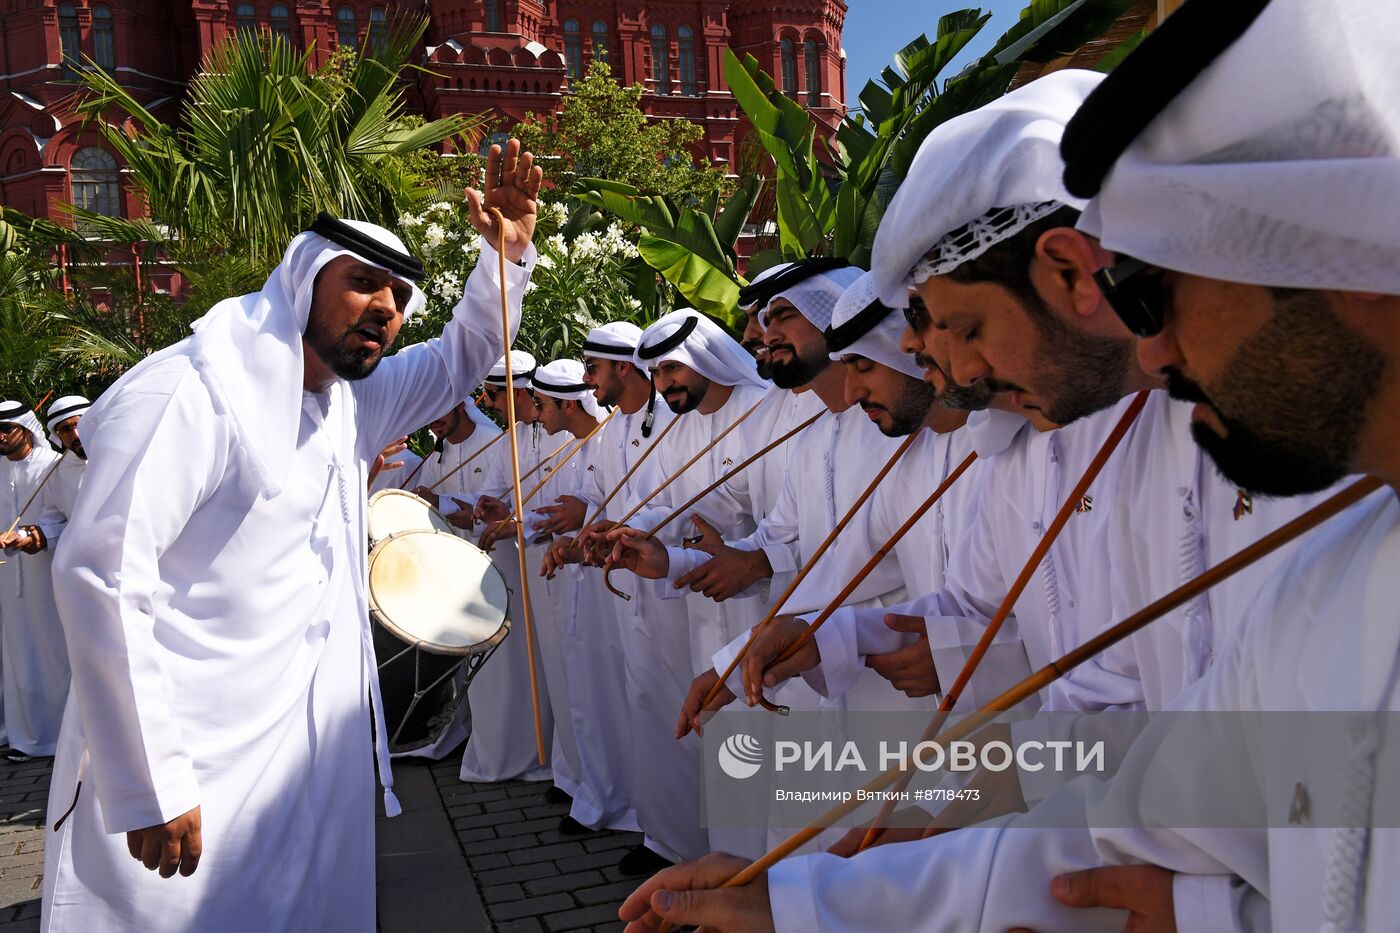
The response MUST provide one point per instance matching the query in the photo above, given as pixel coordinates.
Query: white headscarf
(816, 296)
(1278, 164)
(522, 365)
(60, 410)
(614, 341)
(984, 175)
(763, 276)
(248, 353)
(563, 379)
(707, 349)
(12, 412)
(884, 329)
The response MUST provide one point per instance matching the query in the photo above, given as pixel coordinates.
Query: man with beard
(214, 571)
(35, 661)
(664, 775)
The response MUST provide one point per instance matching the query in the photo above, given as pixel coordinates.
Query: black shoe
(555, 795)
(640, 860)
(569, 826)
(18, 757)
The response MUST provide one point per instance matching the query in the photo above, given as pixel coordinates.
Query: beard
(759, 352)
(335, 351)
(681, 399)
(799, 369)
(1293, 400)
(975, 397)
(909, 411)
(1085, 373)
(77, 448)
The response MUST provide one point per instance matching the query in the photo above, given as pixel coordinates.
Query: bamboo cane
(1058, 668)
(708, 489)
(35, 494)
(811, 562)
(984, 644)
(515, 485)
(474, 454)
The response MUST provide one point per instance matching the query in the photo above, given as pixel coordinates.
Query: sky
(877, 29)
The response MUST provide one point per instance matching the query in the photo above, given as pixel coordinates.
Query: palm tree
(265, 142)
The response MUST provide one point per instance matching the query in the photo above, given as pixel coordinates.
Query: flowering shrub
(581, 279)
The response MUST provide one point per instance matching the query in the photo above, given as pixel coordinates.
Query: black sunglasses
(1135, 291)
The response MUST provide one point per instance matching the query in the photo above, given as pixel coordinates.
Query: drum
(393, 510)
(441, 608)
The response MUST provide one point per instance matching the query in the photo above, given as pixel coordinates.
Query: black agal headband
(670, 343)
(539, 383)
(1145, 84)
(367, 247)
(841, 336)
(760, 293)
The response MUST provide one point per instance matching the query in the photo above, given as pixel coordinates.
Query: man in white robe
(219, 632)
(502, 746)
(453, 476)
(35, 660)
(1295, 386)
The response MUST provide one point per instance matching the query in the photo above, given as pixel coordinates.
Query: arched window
(246, 16)
(685, 38)
(493, 15)
(69, 38)
(280, 19)
(811, 61)
(573, 49)
(660, 60)
(103, 51)
(789, 61)
(96, 182)
(346, 28)
(378, 34)
(600, 40)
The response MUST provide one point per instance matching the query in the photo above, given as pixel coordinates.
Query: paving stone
(516, 873)
(547, 824)
(539, 853)
(613, 841)
(502, 892)
(590, 860)
(571, 882)
(510, 845)
(523, 925)
(581, 917)
(532, 906)
(486, 819)
(607, 894)
(486, 862)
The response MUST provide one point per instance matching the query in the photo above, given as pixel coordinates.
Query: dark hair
(1008, 263)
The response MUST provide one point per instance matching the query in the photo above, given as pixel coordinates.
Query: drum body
(441, 608)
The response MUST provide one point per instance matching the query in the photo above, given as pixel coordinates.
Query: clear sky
(876, 29)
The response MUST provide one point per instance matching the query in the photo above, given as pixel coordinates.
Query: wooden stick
(984, 644)
(35, 494)
(812, 562)
(515, 477)
(1063, 665)
(48, 395)
(875, 559)
(474, 454)
(709, 489)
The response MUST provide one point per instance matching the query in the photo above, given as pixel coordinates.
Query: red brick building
(507, 57)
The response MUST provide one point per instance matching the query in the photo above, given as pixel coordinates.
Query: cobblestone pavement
(461, 857)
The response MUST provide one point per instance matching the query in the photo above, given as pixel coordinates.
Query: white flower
(633, 304)
(557, 246)
(434, 235)
(409, 220)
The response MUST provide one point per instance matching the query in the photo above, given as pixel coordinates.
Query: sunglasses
(1134, 290)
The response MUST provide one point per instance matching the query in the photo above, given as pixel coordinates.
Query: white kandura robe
(34, 657)
(220, 645)
(502, 745)
(1322, 635)
(58, 497)
(460, 484)
(665, 776)
(591, 642)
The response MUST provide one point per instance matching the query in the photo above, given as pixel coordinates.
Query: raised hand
(512, 185)
(728, 572)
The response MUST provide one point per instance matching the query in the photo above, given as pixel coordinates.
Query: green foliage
(602, 132)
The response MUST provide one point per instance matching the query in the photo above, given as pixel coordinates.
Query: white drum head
(435, 589)
(395, 510)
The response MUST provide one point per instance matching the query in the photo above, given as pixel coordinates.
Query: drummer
(454, 474)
